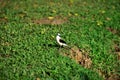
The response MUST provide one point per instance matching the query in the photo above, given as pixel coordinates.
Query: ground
(28, 48)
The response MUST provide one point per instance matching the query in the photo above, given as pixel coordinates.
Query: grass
(24, 46)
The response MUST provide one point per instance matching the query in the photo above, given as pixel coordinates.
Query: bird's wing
(62, 41)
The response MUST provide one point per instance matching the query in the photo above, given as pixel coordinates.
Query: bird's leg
(59, 48)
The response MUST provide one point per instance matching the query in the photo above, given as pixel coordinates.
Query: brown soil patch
(114, 31)
(80, 56)
(110, 76)
(117, 50)
(111, 30)
(3, 3)
(5, 55)
(51, 20)
(3, 20)
(114, 77)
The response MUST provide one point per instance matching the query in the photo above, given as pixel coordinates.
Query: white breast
(58, 38)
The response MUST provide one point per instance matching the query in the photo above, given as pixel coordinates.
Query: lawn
(28, 47)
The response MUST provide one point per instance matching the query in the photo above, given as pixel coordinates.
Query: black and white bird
(60, 41)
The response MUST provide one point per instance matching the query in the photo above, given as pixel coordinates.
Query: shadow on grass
(51, 45)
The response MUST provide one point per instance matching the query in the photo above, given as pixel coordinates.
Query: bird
(60, 41)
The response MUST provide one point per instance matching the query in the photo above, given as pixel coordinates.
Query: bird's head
(58, 34)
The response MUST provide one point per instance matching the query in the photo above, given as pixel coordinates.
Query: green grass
(24, 46)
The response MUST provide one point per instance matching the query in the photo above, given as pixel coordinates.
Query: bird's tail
(65, 45)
